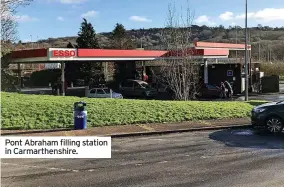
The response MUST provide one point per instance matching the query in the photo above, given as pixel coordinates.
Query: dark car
(269, 116)
(162, 87)
(137, 88)
(209, 91)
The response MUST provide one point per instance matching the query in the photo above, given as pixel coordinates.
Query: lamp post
(37, 41)
(236, 41)
(246, 54)
(32, 41)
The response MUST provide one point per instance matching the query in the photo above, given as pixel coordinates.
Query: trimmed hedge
(21, 111)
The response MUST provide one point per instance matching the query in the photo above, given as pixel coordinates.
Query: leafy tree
(221, 27)
(70, 45)
(119, 32)
(120, 39)
(87, 36)
(87, 39)
(259, 26)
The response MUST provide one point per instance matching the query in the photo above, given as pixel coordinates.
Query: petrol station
(214, 60)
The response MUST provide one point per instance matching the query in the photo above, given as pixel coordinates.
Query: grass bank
(49, 112)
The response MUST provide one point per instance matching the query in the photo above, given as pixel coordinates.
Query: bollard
(80, 115)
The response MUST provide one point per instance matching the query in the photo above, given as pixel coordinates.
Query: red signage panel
(63, 53)
(29, 53)
(220, 45)
(109, 53)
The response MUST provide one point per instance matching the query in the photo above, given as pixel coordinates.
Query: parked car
(137, 88)
(103, 93)
(160, 87)
(209, 91)
(269, 116)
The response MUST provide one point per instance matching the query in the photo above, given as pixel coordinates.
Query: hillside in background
(267, 43)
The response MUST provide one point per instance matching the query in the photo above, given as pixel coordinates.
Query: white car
(103, 93)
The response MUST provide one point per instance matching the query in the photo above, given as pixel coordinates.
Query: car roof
(138, 81)
(99, 88)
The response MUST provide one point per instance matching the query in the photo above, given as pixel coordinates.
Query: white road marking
(162, 162)
(33, 166)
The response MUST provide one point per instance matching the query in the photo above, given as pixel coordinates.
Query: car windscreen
(210, 86)
(107, 91)
(145, 85)
(100, 91)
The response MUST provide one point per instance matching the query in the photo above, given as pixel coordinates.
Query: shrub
(48, 112)
(273, 69)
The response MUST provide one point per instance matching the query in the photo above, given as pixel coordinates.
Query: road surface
(272, 97)
(235, 158)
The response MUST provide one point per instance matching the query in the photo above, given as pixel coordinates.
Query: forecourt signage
(71, 54)
(63, 53)
(60, 54)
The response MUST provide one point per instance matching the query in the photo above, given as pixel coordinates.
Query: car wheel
(144, 95)
(197, 95)
(221, 96)
(274, 125)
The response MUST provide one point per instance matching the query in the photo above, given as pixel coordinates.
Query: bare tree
(8, 10)
(180, 71)
(9, 23)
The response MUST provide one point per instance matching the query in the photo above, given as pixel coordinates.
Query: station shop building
(215, 60)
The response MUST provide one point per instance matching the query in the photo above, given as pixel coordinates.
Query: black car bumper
(258, 120)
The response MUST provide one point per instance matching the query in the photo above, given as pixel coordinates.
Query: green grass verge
(49, 112)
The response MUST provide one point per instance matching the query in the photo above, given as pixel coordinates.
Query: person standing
(65, 86)
(54, 88)
(229, 88)
(223, 90)
(145, 77)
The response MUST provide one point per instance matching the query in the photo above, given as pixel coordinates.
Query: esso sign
(64, 53)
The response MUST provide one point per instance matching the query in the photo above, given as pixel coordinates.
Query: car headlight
(259, 110)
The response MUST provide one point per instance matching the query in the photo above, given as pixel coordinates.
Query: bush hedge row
(21, 111)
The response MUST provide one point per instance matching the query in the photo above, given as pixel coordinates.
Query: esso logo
(64, 53)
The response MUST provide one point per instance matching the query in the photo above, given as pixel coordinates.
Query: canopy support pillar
(19, 76)
(205, 71)
(63, 78)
